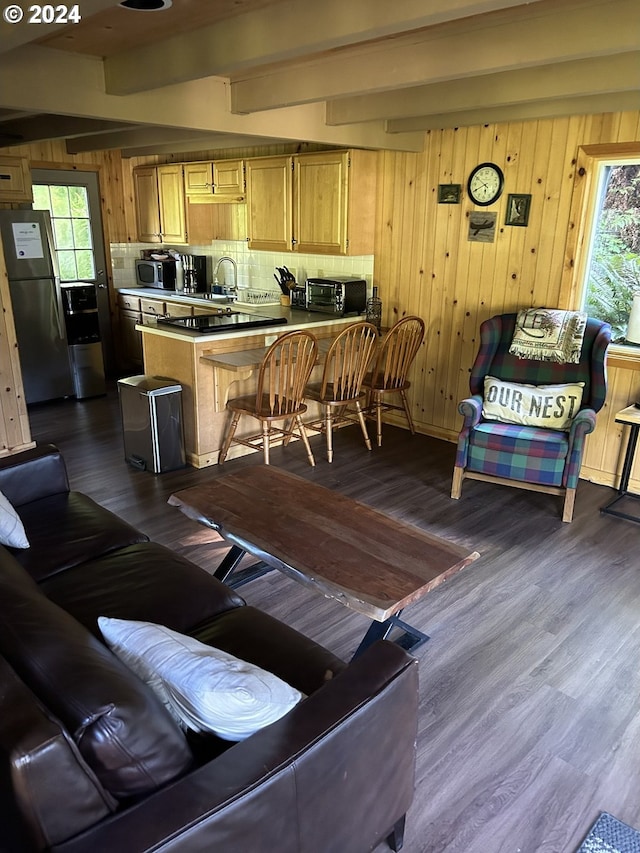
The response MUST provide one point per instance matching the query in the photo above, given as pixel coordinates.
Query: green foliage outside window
(69, 209)
(614, 273)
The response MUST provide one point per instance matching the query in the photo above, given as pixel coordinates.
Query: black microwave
(161, 274)
(337, 296)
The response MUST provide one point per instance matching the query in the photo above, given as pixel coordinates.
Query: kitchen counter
(181, 354)
(295, 317)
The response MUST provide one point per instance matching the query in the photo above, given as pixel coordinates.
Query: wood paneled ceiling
(227, 73)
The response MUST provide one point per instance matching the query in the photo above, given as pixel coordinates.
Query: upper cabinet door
(15, 179)
(228, 178)
(269, 198)
(198, 179)
(320, 192)
(171, 200)
(219, 181)
(145, 180)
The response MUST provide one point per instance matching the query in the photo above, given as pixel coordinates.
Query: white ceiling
(367, 73)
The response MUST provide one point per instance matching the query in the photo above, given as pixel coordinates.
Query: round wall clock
(485, 184)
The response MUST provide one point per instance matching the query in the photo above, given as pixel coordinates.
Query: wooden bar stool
(345, 367)
(395, 355)
(284, 372)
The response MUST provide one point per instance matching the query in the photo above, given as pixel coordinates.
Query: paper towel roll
(633, 329)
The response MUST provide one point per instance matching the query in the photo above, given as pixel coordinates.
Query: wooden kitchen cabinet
(171, 200)
(128, 303)
(320, 203)
(229, 180)
(198, 180)
(160, 204)
(220, 181)
(130, 349)
(145, 183)
(176, 310)
(269, 203)
(15, 179)
(153, 307)
(321, 195)
(130, 355)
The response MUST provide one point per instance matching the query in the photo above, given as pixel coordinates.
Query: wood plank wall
(425, 264)
(15, 433)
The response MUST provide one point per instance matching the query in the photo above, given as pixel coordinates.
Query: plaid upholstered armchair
(535, 457)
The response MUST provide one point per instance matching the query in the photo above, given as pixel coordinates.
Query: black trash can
(151, 410)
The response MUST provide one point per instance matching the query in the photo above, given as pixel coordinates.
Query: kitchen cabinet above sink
(317, 203)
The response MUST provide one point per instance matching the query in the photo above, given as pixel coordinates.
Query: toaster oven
(338, 296)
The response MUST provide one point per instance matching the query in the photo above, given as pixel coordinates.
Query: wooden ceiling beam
(596, 76)
(47, 126)
(560, 31)
(53, 81)
(281, 32)
(137, 136)
(214, 142)
(531, 111)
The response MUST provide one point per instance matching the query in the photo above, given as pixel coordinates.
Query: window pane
(85, 265)
(60, 201)
(81, 233)
(40, 197)
(614, 269)
(63, 233)
(67, 263)
(79, 201)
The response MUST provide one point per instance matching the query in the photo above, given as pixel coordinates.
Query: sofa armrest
(33, 474)
(471, 410)
(583, 423)
(336, 773)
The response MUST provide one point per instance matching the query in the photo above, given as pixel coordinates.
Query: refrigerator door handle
(62, 331)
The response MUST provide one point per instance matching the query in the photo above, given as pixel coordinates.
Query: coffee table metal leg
(231, 562)
(410, 638)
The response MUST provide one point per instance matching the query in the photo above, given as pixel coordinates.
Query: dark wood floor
(530, 684)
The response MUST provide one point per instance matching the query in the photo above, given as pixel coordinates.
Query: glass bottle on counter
(374, 310)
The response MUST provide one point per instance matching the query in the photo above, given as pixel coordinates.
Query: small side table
(630, 416)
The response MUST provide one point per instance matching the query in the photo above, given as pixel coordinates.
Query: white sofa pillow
(205, 689)
(11, 527)
(552, 406)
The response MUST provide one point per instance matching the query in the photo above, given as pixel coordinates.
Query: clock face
(485, 184)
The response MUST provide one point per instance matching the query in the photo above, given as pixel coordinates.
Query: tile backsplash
(255, 269)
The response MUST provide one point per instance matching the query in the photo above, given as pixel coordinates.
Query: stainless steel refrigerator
(34, 286)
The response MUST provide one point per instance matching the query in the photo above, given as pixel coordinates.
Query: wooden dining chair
(395, 355)
(279, 397)
(344, 369)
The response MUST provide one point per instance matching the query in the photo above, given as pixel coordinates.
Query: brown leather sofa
(91, 761)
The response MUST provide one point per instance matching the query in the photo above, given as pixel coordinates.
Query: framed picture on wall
(449, 193)
(518, 209)
(482, 226)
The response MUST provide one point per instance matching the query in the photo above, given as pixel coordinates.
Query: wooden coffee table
(364, 559)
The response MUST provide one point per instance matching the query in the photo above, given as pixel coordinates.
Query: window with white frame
(69, 210)
(613, 267)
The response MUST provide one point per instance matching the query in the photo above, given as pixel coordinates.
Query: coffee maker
(195, 273)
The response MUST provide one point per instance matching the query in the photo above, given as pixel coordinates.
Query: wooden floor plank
(529, 715)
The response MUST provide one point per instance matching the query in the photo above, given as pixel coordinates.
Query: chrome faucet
(233, 289)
